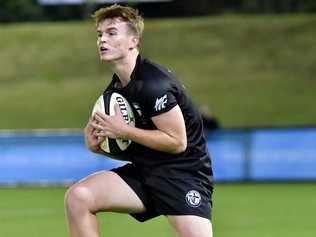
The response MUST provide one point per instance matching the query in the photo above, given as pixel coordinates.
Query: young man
(170, 171)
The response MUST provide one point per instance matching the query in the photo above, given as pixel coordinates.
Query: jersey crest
(161, 103)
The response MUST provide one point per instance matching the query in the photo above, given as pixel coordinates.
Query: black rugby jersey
(153, 90)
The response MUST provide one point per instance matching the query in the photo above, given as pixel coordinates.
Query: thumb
(117, 110)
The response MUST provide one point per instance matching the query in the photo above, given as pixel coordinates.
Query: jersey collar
(136, 68)
(135, 72)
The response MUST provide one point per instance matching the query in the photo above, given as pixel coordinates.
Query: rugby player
(169, 172)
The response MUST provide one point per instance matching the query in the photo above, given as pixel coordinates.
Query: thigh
(191, 226)
(110, 193)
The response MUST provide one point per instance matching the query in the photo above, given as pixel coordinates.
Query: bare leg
(103, 191)
(191, 226)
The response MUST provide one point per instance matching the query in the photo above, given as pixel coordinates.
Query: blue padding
(227, 150)
(48, 158)
(264, 154)
(283, 154)
(237, 155)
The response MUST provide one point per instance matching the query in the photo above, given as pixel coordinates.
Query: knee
(78, 199)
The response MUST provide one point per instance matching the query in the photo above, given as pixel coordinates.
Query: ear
(134, 42)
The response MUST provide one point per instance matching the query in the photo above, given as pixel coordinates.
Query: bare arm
(170, 135)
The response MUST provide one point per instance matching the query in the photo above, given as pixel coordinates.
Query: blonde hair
(127, 14)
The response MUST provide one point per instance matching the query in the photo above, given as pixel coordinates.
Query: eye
(112, 33)
(99, 34)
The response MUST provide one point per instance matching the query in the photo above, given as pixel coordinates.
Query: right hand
(91, 139)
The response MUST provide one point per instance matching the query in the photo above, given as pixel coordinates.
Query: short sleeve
(160, 97)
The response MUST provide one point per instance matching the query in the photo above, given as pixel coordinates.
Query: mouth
(103, 50)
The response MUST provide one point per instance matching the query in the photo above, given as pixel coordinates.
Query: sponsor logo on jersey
(193, 198)
(161, 103)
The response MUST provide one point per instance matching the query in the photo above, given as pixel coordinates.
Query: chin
(107, 58)
(104, 59)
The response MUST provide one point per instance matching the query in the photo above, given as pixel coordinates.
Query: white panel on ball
(112, 98)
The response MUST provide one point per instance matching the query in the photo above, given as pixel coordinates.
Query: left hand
(110, 126)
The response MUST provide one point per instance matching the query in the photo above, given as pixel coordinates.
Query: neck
(124, 67)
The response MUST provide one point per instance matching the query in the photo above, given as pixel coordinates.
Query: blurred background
(249, 66)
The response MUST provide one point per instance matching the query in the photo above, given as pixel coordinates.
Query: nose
(103, 38)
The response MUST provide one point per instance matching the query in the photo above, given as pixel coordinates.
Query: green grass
(251, 70)
(240, 210)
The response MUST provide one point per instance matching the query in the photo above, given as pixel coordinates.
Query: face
(114, 40)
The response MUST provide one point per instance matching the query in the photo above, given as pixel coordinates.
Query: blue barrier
(264, 154)
(237, 155)
(47, 158)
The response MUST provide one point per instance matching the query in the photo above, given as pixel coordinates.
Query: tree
(19, 10)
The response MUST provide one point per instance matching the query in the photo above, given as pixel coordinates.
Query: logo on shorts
(193, 198)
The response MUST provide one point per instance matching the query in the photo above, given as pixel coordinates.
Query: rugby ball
(105, 104)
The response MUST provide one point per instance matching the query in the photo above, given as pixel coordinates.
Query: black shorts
(168, 195)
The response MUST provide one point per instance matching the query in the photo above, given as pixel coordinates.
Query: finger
(95, 132)
(88, 127)
(99, 119)
(101, 115)
(117, 110)
(91, 122)
(101, 134)
(96, 126)
(106, 134)
(100, 139)
(92, 118)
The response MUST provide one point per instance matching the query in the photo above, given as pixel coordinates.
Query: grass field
(240, 210)
(251, 70)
